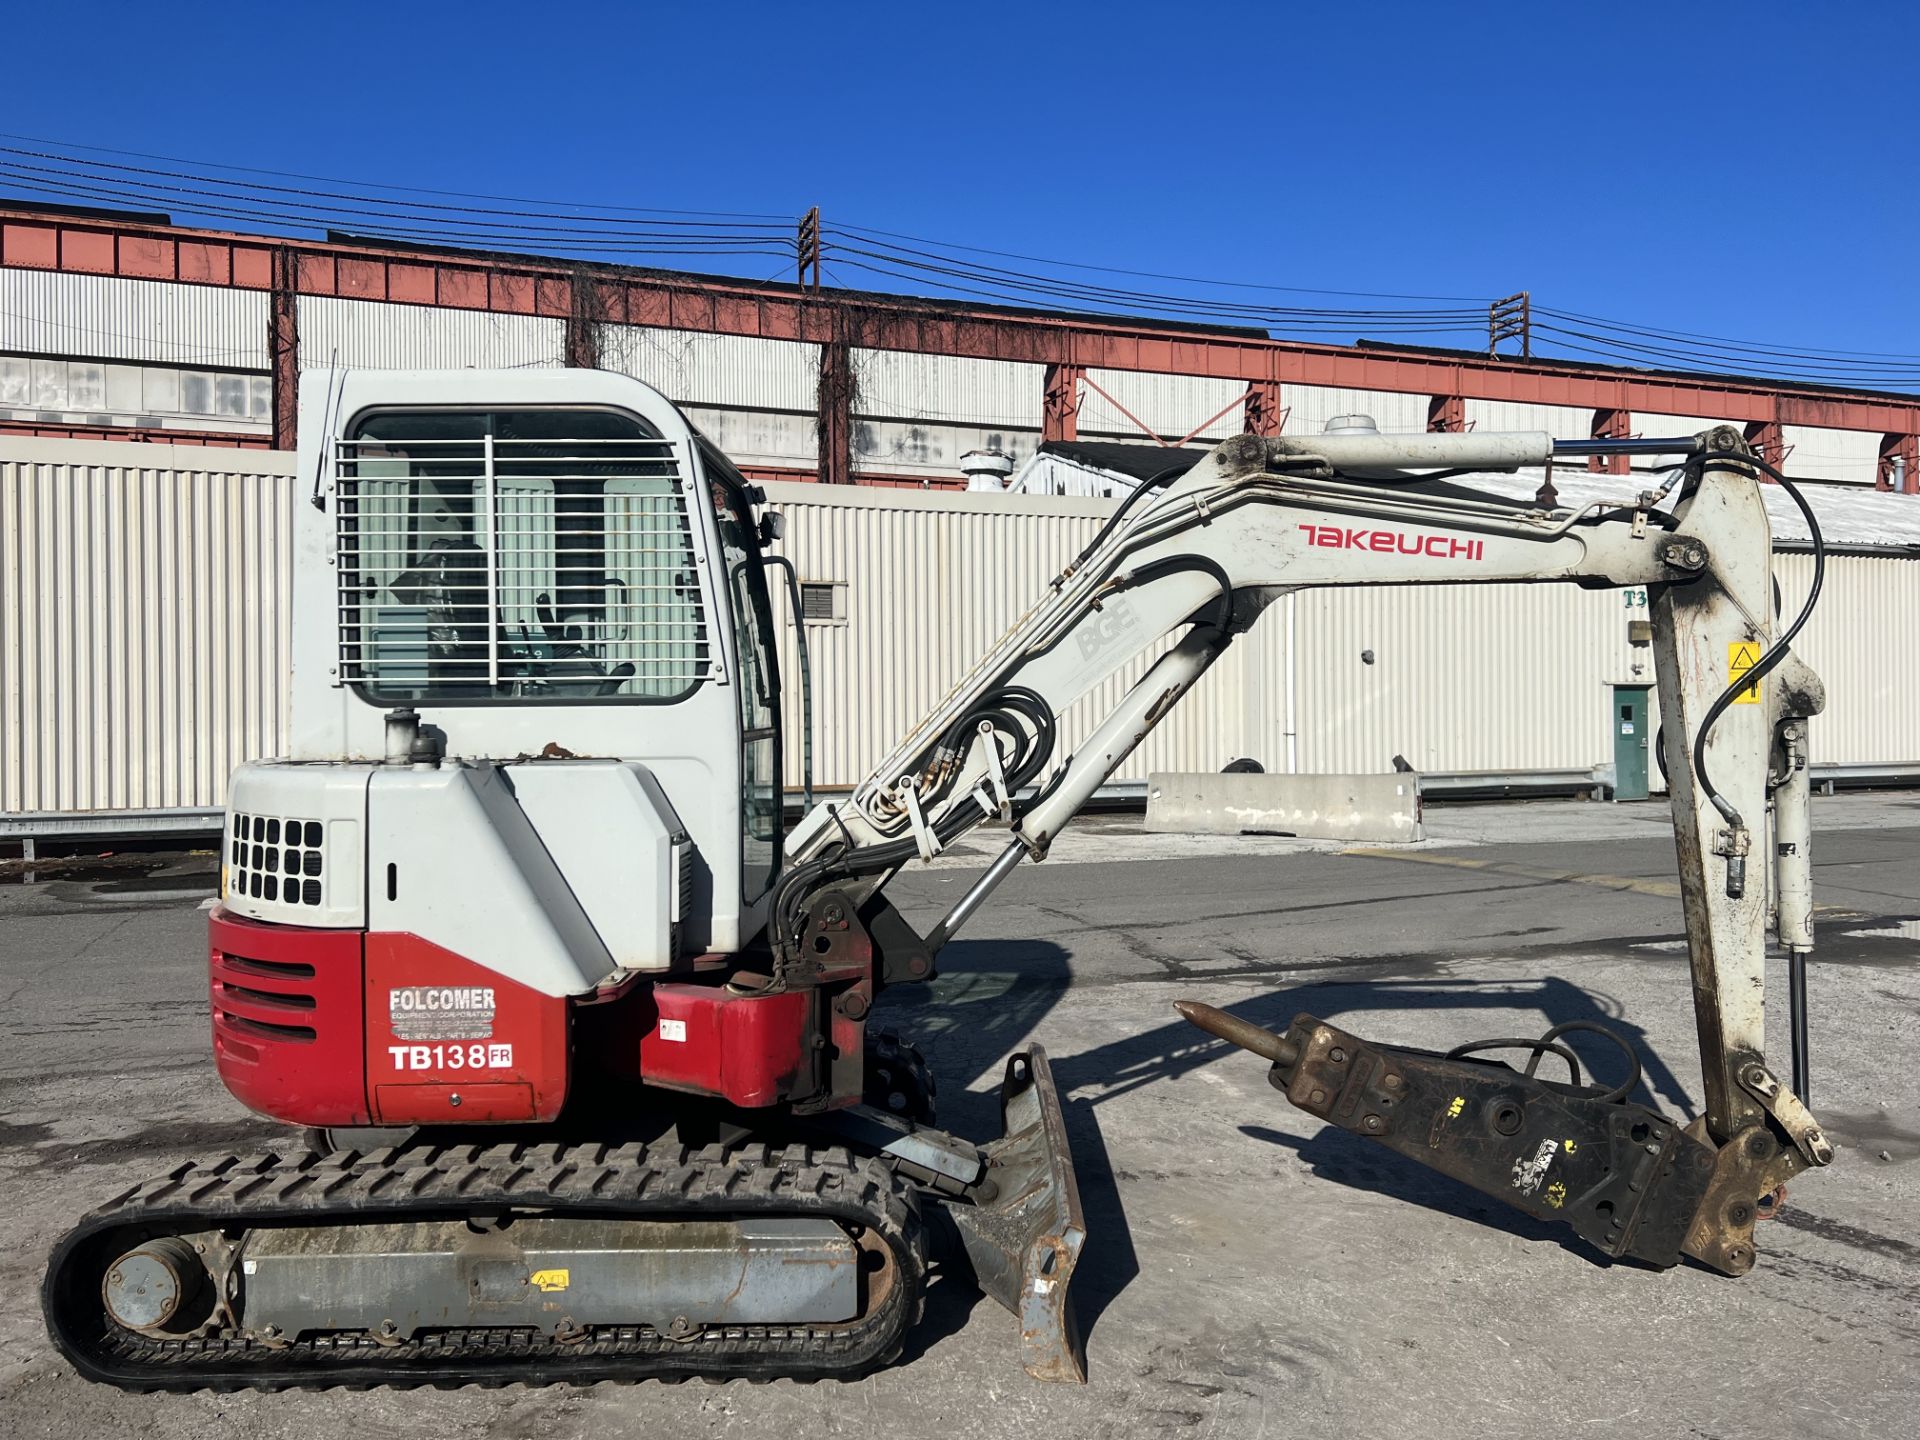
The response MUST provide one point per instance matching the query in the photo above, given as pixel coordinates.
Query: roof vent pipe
(986, 469)
(1351, 425)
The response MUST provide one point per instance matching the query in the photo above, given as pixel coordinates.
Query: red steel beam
(283, 346)
(1263, 413)
(530, 286)
(1447, 413)
(1060, 402)
(1611, 424)
(1769, 442)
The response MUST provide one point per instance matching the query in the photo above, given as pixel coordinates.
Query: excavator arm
(1191, 564)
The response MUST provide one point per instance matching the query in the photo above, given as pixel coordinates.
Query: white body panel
(609, 828)
(456, 861)
(270, 801)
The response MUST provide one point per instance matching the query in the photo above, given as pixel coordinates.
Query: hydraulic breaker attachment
(1626, 1178)
(1024, 1229)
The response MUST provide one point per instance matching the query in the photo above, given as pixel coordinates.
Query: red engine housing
(342, 1028)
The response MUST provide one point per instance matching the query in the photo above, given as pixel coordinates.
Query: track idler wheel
(159, 1289)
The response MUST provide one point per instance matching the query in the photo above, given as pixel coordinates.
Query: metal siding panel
(902, 385)
(145, 592)
(1171, 406)
(1563, 422)
(1849, 456)
(932, 582)
(45, 312)
(759, 437)
(143, 622)
(1309, 407)
(1861, 641)
(377, 335)
(692, 367)
(1652, 426)
(932, 451)
(1493, 677)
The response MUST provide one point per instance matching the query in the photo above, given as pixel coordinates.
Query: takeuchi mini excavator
(517, 933)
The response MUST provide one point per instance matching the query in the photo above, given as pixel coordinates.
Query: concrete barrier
(1318, 807)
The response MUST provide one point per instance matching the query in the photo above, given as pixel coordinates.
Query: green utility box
(1630, 747)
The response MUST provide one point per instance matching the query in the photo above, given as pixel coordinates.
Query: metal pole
(493, 569)
(1793, 882)
(806, 675)
(1622, 445)
(1797, 1009)
(971, 901)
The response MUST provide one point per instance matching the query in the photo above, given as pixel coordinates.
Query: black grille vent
(262, 849)
(819, 603)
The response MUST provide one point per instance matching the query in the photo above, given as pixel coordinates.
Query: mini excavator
(517, 936)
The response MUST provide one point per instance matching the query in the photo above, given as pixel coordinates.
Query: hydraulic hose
(1127, 502)
(1775, 653)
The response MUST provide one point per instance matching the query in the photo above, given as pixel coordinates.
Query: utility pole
(1511, 319)
(807, 248)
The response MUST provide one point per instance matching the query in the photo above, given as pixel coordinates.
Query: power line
(376, 185)
(1155, 274)
(581, 230)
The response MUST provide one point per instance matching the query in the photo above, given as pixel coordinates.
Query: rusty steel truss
(1067, 345)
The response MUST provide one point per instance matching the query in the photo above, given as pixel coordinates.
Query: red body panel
(288, 1034)
(452, 1042)
(338, 1028)
(750, 1050)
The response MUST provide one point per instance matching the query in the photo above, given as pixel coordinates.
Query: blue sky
(1746, 171)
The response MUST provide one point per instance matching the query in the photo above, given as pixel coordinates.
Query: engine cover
(336, 1028)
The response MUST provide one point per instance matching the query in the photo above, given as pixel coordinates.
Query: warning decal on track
(1742, 656)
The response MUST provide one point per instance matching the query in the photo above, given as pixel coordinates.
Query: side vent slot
(681, 891)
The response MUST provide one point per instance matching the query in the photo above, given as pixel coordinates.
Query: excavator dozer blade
(1025, 1241)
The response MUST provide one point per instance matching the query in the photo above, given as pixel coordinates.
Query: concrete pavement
(1250, 1272)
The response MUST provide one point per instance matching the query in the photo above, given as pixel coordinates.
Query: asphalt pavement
(1250, 1271)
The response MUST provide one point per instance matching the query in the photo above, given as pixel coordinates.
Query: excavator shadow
(992, 996)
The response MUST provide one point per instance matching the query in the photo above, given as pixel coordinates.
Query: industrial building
(146, 482)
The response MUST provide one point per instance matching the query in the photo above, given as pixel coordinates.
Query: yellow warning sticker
(548, 1281)
(1742, 656)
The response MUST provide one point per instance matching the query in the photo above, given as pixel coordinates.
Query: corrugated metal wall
(378, 335)
(1563, 422)
(144, 599)
(145, 591)
(1862, 639)
(932, 581)
(102, 317)
(1170, 406)
(1309, 407)
(901, 385)
(1462, 677)
(1849, 456)
(691, 368)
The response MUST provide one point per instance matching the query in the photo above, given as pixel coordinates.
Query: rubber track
(631, 1181)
